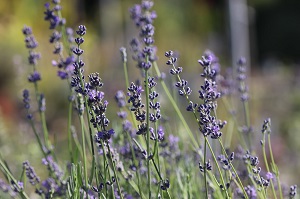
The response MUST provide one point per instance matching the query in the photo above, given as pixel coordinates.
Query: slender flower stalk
(266, 130)
(34, 77)
(120, 98)
(274, 166)
(148, 131)
(243, 89)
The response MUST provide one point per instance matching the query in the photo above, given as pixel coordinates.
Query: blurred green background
(187, 27)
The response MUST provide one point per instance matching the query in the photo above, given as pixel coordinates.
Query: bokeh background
(264, 31)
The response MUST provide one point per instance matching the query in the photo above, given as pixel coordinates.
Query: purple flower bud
(242, 61)
(79, 40)
(55, 37)
(62, 74)
(81, 30)
(160, 133)
(27, 30)
(33, 57)
(147, 30)
(136, 13)
(26, 99)
(171, 61)
(269, 176)
(78, 51)
(34, 77)
(147, 5)
(30, 42)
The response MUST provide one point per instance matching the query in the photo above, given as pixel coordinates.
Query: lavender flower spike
(30, 173)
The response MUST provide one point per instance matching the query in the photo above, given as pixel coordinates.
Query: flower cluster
(210, 64)
(90, 90)
(227, 82)
(17, 186)
(165, 184)
(26, 101)
(30, 173)
(293, 191)
(160, 134)
(30, 40)
(53, 167)
(209, 94)
(65, 65)
(241, 70)
(33, 57)
(134, 93)
(171, 151)
(266, 128)
(104, 135)
(210, 126)
(251, 192)
(50, 188)
(253, 162)
(52, 16)
(153, 104)
(144, 51)
(207, 166)
(98, 106)
(12, 189)
(208, 123)
(226, 161)
(183, 89)
(78, 78)
(121, 101)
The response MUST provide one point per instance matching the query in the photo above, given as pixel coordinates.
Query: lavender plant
(142, 156)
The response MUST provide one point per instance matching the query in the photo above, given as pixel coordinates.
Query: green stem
(126, 74)
(37, 138)
(247, 121)
(134, 162)
(84, 152)
(70, 145)
(267, 165)
(106, 167)
(156, 152)
(234, 171)
(66, 44)
(228, 106)
(43, 120)
(215, 159)
(275, 166)
(158, 173)
(148, 131)
(205, 170)
(45, 130)
(39, 142)
(115, 174)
